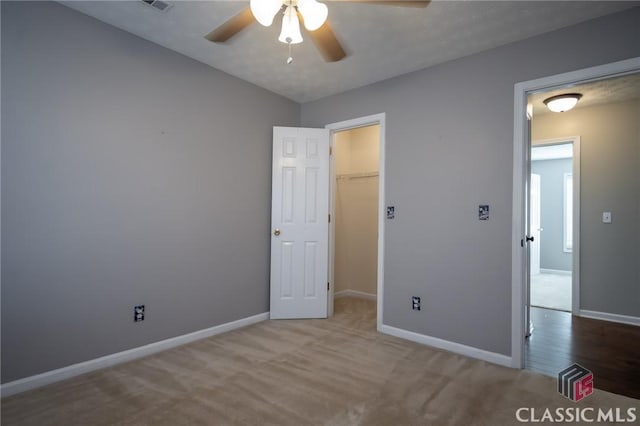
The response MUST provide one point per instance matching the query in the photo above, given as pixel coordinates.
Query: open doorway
(356, 157)
(356, 183)
(606, 120)
(554, 201)
(356, 229)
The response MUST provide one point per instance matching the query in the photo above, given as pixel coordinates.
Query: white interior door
(299, 223)
(526, 241)
(535, 224)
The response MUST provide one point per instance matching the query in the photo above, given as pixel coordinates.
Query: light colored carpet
(298, 372)
(551, 291)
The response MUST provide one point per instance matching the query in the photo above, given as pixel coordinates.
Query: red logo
(575, 382)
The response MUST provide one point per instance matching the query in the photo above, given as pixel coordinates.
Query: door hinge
(329, 217)
(328, 286)
(330, 151)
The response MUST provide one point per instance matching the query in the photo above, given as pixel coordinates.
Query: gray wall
(609, 181)
(552, 254)
(449, 148)
(130, 174)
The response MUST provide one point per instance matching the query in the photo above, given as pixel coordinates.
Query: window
(568, 213)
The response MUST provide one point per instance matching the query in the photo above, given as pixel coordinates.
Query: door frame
(370, 120)
(520, 163)
(575, 195)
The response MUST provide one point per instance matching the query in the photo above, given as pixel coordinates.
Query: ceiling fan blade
(233, 26)
(400, 3)
(326, 42)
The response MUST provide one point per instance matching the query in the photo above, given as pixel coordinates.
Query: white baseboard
(457, 348)
(555, 271)
(355, 293)
(624, 319)
(32, 382)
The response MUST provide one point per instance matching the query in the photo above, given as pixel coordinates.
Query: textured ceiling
(616, 89)
(381, 41)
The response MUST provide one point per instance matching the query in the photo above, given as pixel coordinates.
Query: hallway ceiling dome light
(562, 103)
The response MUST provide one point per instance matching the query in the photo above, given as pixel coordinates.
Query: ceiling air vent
(162, 6)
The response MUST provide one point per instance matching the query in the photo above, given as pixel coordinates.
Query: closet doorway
(355, 212)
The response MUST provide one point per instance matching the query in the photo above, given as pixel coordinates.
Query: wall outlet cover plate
(483, 212)
(391, 212)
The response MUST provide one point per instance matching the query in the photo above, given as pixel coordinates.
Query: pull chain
(290, 58)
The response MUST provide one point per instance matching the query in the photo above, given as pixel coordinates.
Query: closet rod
(357, 175)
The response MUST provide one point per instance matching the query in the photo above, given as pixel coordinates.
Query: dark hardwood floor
(610, 350)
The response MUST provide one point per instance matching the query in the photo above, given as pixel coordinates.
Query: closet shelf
(356, 175)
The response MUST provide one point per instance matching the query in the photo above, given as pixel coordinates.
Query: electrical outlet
(138, 313)
(415, 303)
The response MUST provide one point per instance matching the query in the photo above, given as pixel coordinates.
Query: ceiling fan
(312, 13)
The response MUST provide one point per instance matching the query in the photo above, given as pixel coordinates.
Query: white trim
(554, 271)
(577, 203)
(457, 348)
(624, 319)
(567, 243)
(48, 377)
(521, 90)
(379, 119)
(332, 223)
(355, 293)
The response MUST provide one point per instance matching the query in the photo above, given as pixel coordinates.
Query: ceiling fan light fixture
(265, 10)
(314, 13)
(290, 27)
(562, 103)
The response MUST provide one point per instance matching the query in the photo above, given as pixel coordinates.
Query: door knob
(276, 232)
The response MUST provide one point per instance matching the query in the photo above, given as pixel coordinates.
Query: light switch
(606, 217)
